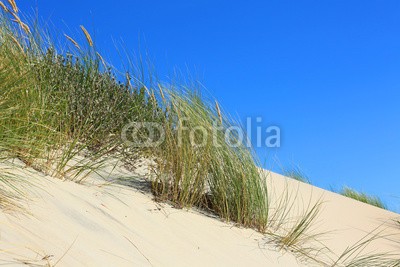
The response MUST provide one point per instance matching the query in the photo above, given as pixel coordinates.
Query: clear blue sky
(327, 72)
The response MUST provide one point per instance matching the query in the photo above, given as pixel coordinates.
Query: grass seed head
(101, 59)
(4, 7)
(87, 35)
(13, 5)
(16, 43)
(72, 41)
(161, 93)
(219, 112)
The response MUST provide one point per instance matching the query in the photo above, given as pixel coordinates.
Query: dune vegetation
(363, 197)
(297, 174)
(58, 104)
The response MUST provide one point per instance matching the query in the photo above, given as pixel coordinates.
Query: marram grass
(297, 174)
(213, 175)
(55, 105)
(363, 197)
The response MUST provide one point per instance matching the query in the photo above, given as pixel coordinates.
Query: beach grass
(297, 174)
(59, 105)
(355, 255)
(363, 197)
(201, 168)
(56, 105)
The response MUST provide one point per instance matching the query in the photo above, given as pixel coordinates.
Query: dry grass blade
(218, 111)
(15, 41)
(4, 7)
(101, 59)
(72, 41)
(16, 17)
(161, 93)
(23, 25)
(355, 255)
(133, 244)
(87, 35)
(12, 188)
(153, 97)
(13, 5)
(65, 253)
(128, 79)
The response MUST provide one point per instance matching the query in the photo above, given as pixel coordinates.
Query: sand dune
(102, 224)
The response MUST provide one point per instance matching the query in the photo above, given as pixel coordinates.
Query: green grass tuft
(360, 196)
(55, 106)
(297, 174)
(213, 175)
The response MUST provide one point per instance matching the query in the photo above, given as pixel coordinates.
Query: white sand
(115, 225)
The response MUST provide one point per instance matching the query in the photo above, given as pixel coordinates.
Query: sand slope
(342, 222)
(97, 224)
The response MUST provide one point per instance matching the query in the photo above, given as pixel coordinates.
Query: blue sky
(326, 72)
